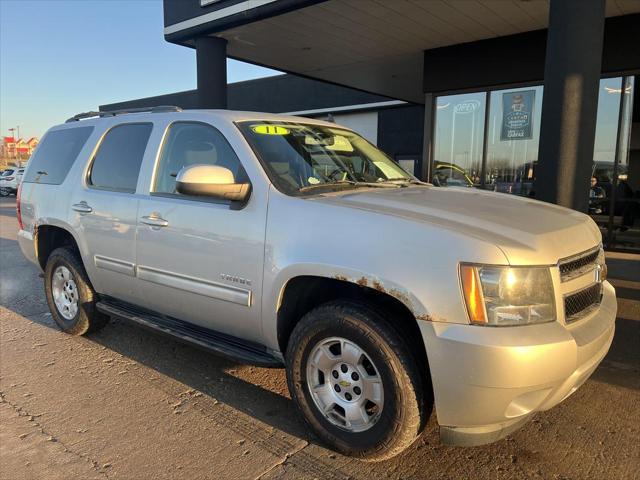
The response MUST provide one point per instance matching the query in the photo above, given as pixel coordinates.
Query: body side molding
(198, 286)
(115, 265)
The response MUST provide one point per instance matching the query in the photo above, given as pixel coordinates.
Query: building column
(211, 62)
(427, 139)
(570, 102)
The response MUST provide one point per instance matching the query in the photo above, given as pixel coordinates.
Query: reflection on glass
(512, 143)
(624, 224)
(458, 139)
(604, 152)
(408, 163)
(513, 135)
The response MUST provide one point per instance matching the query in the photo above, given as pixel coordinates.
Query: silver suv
(281, 240)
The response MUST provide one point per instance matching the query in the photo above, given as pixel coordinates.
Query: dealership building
(527, 97)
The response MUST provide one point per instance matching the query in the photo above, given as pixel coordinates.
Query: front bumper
(489, 381)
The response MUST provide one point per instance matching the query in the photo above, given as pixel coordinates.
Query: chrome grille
(577, 265)
(580, 303)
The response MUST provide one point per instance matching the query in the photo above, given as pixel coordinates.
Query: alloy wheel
(344, 384)
(65, 292)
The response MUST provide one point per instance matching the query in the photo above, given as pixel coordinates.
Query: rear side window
(56, 154)
(116, 165)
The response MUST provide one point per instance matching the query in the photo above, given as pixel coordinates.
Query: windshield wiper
(327, 184)
(351, 183)
(411, 181)
(376, 184)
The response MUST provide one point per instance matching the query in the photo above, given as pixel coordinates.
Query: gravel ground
(128, 404)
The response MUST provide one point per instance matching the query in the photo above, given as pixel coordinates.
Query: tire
(5, 192)
(398, 414)
(71, 283)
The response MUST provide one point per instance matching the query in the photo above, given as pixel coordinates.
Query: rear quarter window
(56, 154)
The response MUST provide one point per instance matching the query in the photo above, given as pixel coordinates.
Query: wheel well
(48, 238)
(302, 294)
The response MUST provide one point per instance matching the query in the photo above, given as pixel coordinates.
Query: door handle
(154, 221)
(82, 207)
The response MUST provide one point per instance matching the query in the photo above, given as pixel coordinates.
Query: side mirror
(211, 181)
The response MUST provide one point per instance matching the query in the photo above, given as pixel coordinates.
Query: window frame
(191, 198)
(96, 150)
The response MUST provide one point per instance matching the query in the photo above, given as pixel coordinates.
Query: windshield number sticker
(270, 130)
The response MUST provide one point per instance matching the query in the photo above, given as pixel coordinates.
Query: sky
(62, 57)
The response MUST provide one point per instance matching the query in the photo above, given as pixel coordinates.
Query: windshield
(301, 158)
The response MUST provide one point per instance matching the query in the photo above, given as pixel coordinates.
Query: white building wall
(366, 124)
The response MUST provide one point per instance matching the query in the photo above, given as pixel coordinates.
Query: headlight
(499, 296)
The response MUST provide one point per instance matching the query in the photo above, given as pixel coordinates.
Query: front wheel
(5, 192)
(355, 381)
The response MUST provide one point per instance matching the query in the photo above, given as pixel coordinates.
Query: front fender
(274, 292)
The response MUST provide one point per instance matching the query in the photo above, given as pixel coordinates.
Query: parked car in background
(517, 180)
(450, 175)
(10, 179)
(6, 178)
(286, 241)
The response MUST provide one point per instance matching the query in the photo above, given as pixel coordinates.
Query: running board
(216, 342)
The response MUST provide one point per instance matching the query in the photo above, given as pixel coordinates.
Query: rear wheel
(69, 293)
(355, 381)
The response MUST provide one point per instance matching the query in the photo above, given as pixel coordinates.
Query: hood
(527, 231)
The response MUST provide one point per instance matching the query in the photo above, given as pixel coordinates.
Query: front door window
(193, 143)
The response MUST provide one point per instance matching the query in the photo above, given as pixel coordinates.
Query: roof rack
(113, 113)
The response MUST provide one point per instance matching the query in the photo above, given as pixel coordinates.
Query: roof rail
(113, 113)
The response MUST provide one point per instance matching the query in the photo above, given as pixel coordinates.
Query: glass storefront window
(458, 141)
(604, 151)
(513, 137)
(623, 229)
(507, 161)
(408, 162)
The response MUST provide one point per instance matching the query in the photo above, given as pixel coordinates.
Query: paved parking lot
(128, 404)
